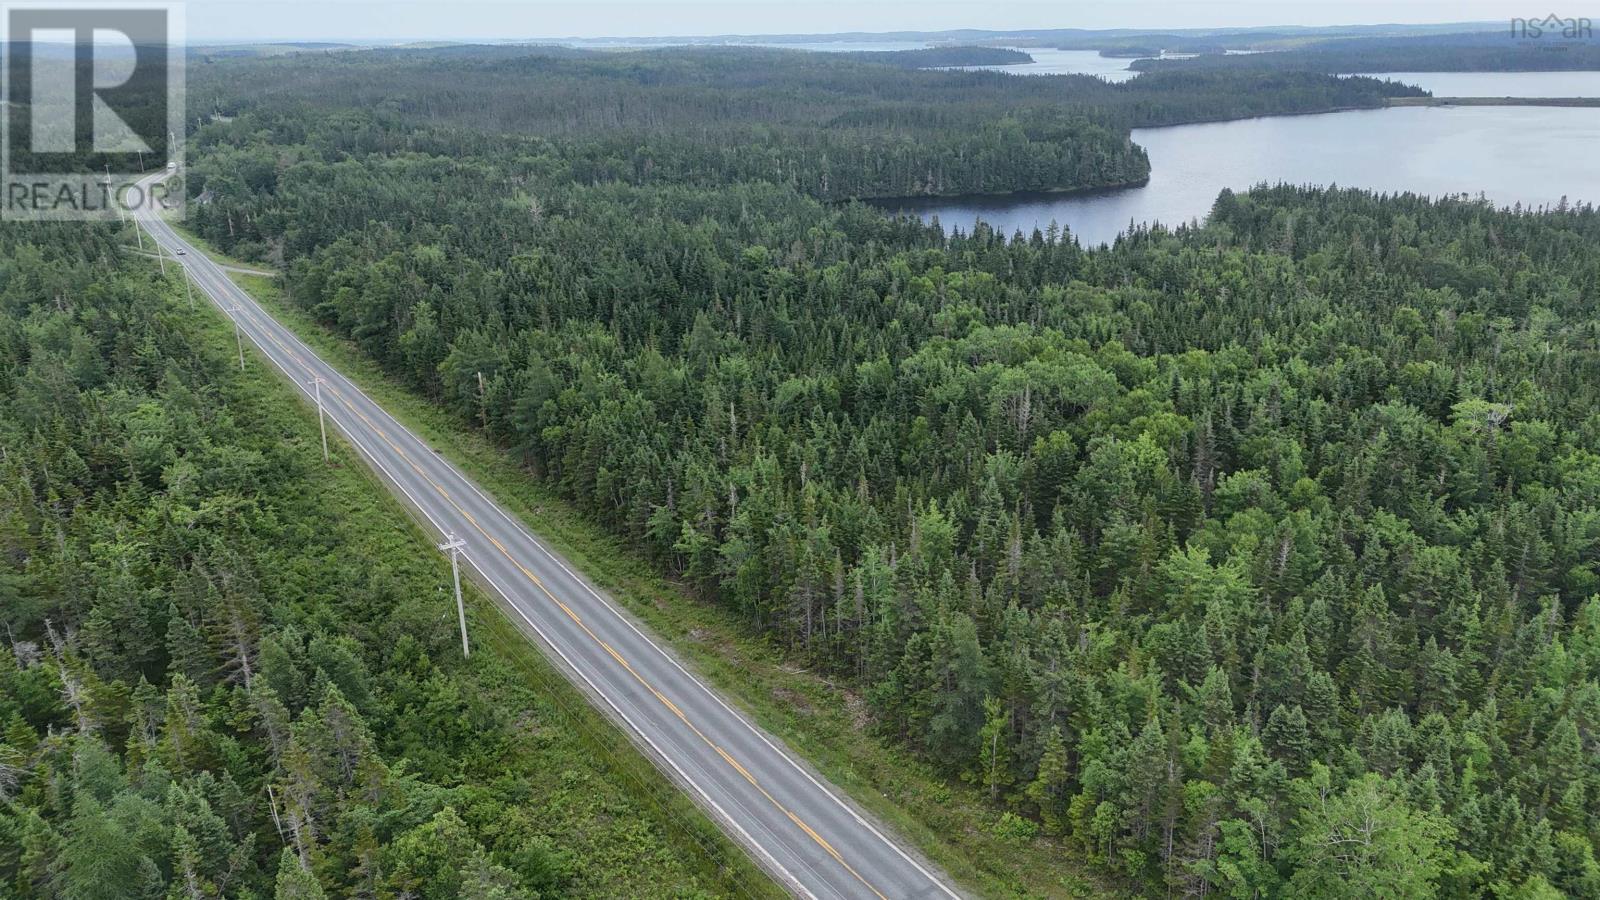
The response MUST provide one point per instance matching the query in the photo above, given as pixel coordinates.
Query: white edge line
(610, 607)
(373, 459)
(759, 733)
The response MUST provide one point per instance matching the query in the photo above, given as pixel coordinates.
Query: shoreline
(907, 200)
(1396, 102)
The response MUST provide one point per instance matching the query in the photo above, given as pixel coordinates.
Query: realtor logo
(93, 105)
(1572, 29)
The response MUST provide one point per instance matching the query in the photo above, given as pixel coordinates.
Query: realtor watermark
(1553, 27)
(93, 116)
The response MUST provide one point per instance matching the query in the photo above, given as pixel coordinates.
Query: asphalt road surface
(798, 827)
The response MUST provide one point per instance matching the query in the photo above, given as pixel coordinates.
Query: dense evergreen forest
(830, 127)
(225, 672)
(1257, 560)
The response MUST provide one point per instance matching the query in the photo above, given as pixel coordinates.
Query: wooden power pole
(453, 545)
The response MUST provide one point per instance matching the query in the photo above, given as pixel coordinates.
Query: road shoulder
(823, 722)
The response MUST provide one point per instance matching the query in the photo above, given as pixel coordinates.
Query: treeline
(1256, 560)
(1496, 51)
(830, 127)
(938, 57)
(223, 673)
(1181, 97)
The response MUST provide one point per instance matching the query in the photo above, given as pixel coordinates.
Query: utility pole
(483, 402)
(188, 289)
(238, 334)
(160, 257)
(322, 423)
(452, 545)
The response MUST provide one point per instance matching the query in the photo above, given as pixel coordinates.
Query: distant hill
(1497, 51)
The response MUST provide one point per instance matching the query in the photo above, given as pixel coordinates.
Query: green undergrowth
(824, 721)
(618, 825)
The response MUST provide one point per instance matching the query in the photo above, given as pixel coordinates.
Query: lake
(1049, 61)
(1528, 155)
(1501, 84)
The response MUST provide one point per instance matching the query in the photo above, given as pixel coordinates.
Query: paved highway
(798, 827)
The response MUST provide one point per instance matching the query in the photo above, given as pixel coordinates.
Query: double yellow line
(539, 583)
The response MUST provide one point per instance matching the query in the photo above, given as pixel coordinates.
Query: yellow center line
(667, 702)
(735, 763)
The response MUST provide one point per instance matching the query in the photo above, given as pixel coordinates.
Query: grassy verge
(628, 830)
(823, 721)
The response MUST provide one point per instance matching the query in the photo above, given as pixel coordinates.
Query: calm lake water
(1528, 155)
(1501, 84)
(1048, 61)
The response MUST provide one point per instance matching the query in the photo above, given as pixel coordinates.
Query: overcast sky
(213, 20)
